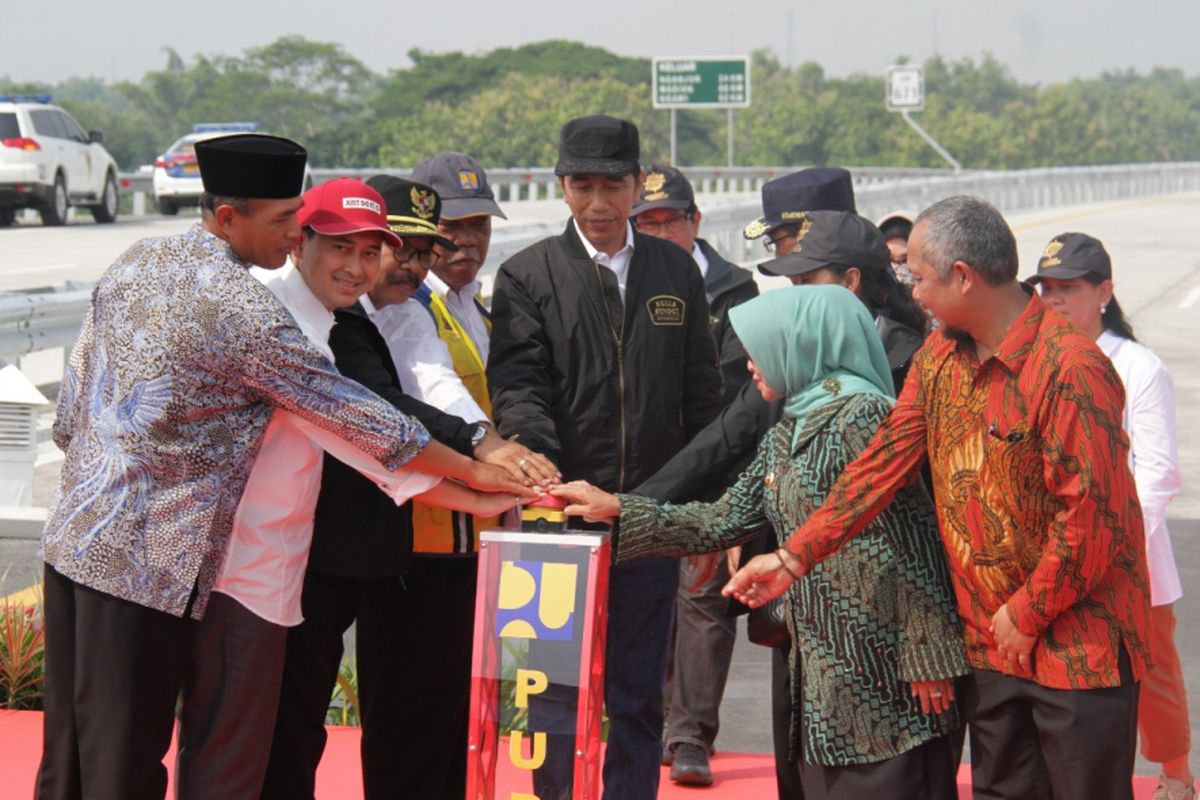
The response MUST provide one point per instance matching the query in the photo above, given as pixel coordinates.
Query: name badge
(666, 310)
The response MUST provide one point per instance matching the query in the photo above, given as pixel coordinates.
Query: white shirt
(423, 361)
(618, 262)
(464, 308)
(1149, 419)
(701, 259)
(272, 528)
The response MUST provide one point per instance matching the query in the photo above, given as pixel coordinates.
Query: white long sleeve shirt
(272, 529)
(618, 262)
(1149, 420)
(422, 359)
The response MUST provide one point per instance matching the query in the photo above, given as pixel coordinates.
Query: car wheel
(7, 217)
(167, 207)
(107, 210)
(54, 212)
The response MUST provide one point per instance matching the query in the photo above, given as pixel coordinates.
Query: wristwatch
(479, 435)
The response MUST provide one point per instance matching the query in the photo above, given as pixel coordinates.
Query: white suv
(47, 162)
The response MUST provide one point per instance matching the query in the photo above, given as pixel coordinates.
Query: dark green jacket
(870, 619)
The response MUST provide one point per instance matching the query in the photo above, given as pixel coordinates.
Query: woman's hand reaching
(585, 500)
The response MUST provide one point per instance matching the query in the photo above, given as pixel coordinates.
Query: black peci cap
(413, 209)
(831, 238)
(598, 145)
(784, 200)
(1073, 255)
(665, 187)
(251, 165)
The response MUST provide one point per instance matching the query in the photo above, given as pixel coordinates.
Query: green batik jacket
(865, 622)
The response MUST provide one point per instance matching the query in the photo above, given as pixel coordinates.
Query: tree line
(505, 108)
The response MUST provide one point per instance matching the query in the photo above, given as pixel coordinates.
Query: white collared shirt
(618, 262)
(423, 361)
(272, 528)
(462, 305)
(1149, 420)
(701, 260)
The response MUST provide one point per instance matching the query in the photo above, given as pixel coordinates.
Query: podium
(537, 679)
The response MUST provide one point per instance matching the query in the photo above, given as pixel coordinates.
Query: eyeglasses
(404, 255)
(672, 225)
(771, 242)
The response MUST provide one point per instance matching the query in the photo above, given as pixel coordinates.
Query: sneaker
(690, 766)
(1169, 789)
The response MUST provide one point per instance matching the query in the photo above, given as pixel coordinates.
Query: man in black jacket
(360, 545)
(601, 359)
(704, 628)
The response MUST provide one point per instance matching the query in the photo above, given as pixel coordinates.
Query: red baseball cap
(345, 205)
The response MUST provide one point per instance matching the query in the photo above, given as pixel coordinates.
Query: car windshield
(9, 127)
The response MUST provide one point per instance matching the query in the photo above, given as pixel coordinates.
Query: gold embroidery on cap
(655, 182)
(755, 229)
(666, 310)
(423, 203)
(1050, 254)
(805, 225)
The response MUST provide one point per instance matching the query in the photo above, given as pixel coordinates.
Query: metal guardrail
(523, 184)
(31, 322)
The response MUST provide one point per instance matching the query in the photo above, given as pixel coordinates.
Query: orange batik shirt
(1035, 501)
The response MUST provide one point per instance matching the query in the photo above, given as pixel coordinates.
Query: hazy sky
(1040, 40)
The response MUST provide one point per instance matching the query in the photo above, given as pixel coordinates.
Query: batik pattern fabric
(1036, 504)
(869, 620)
(163, 407)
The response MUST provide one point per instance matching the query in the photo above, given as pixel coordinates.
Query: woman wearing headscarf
(1075, 273)
(876, 639)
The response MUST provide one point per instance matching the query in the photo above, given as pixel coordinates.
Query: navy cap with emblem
(413, 209)
(598, 145)
(1073, 255)
(251, 165)
(831, 238)
(665, 187)
(461, 183)
(813, 189)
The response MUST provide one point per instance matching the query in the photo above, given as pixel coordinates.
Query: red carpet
(740, 776)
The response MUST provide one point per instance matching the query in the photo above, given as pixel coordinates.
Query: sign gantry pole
(906, 94)
(700, 82)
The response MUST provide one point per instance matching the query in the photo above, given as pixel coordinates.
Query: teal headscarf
(813, 344)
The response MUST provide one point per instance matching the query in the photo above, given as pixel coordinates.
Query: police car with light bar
(176, 173)
(48, 163)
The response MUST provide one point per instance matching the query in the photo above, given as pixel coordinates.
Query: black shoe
(668, 757)
(690, 767)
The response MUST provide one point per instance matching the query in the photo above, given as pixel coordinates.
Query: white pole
(729, 129)
(673, 164)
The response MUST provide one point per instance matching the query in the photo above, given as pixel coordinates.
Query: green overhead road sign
(682, 82)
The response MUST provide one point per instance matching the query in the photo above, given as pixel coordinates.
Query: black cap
(785, 199)
(598, 145)
(251, 165)
(1073, 255)
(461, 183)
(898, 224)
(413, 209)
(665, 187)
(831, 238)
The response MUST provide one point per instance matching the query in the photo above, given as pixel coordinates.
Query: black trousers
(1029, 742)
(416, 683)
(114, 670)
(413, 646)
(310, 668)
(787, 771)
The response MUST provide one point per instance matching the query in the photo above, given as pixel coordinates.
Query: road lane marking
(1191, 299)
